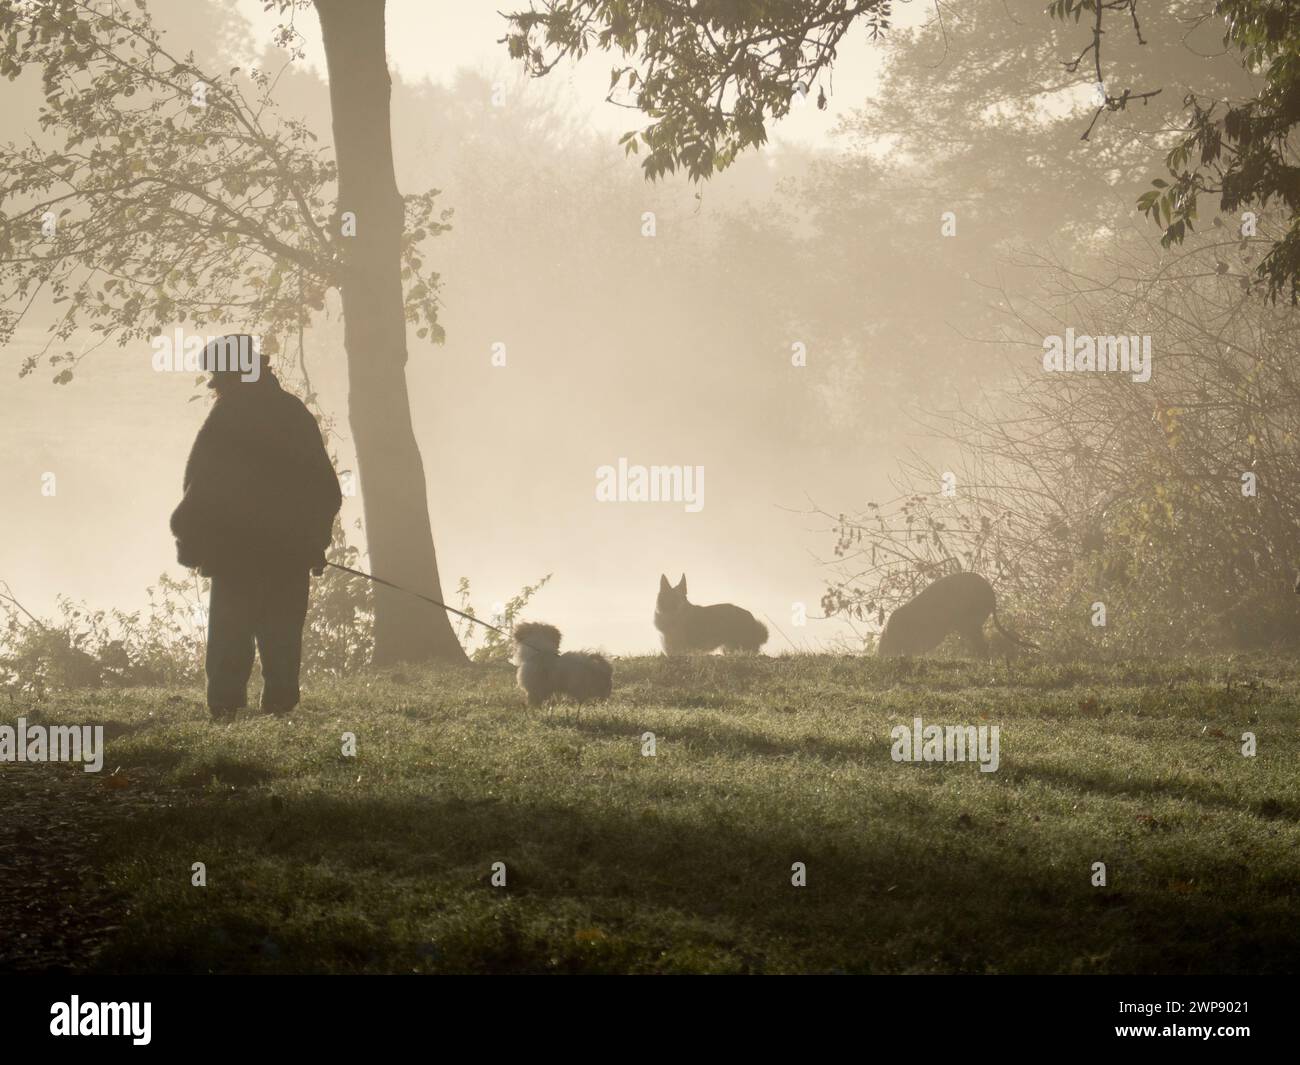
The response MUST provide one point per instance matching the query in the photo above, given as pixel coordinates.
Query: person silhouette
(259, 500)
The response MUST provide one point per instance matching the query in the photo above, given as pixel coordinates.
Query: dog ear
(681, 585)
(664, 586)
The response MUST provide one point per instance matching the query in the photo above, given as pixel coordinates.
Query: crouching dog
(544, 673)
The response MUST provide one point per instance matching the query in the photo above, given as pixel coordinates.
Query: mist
(714, 487)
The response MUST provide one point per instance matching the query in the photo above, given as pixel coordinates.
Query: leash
(429, 599)
(426, 598)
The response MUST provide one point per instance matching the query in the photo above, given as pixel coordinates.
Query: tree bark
(391, 473)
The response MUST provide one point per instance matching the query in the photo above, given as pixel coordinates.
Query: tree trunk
(391, 474)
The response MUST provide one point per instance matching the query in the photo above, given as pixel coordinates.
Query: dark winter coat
(260, 492)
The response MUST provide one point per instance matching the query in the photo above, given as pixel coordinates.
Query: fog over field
(618, 346)
(650, 487)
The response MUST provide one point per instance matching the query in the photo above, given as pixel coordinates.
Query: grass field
(682, 861)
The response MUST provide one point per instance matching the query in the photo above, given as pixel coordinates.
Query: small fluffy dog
(544, 673)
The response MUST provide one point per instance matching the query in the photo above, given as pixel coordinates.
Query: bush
(1175, 502)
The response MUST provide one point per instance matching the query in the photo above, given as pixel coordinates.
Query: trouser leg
(229, 662)
(279, 638)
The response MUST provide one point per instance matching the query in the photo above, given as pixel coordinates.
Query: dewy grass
(470, 834)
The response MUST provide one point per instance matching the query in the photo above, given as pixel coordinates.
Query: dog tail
(1010, 635)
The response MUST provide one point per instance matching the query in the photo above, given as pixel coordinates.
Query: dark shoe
(223, 715)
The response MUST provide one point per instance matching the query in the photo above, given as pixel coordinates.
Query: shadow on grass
(1101, 782)
(336, 884)
(715, 738)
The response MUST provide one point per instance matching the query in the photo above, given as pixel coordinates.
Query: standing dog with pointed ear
(685, 627)
(959, 602)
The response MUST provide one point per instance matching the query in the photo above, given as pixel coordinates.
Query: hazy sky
(117, 438)
(432, 39)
